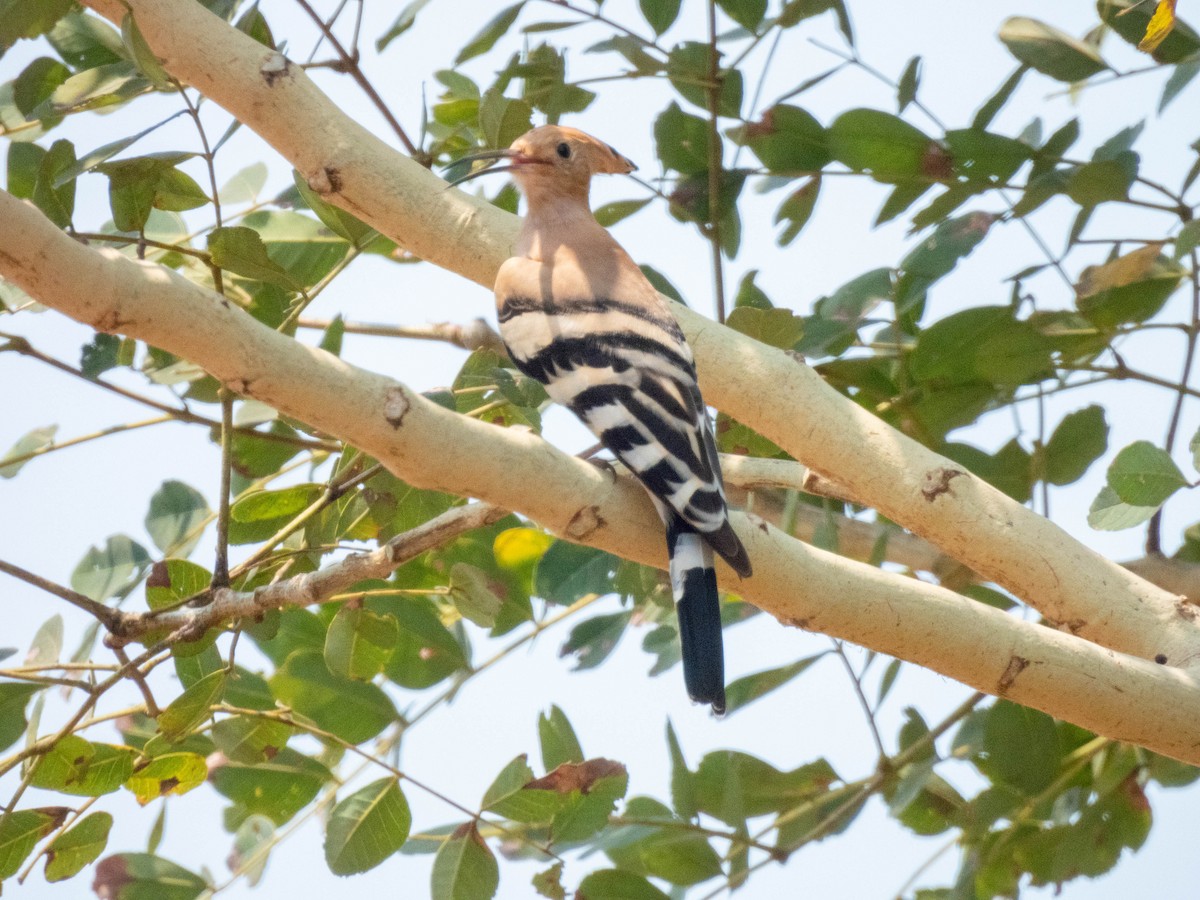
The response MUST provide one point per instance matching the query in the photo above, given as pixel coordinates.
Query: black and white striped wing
(628, 374)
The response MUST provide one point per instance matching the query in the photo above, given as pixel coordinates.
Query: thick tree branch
(1119, 696)
(760, 386)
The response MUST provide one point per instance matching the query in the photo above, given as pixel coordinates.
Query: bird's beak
(467, 165)
(483, 155)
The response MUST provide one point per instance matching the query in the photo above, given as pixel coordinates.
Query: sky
(64, 503)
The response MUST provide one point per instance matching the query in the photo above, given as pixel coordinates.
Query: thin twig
(856, 682)
(712, 92)
(106, 615)
(1154, 529)
(353, 69)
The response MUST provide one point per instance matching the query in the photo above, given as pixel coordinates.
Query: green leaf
(268, 506)
(910, 82)
(141, 876)
(1102, 181)
(366, 828)
(557, 738)
(176, 515)
(38, 439)
(1144, 475)
(682, 140)
(987, 112)
(797, 209)
(95, 88)
(464, 868)
(76, 766)
(278, 788)
(1109, 513)
(77, 847)
(241, 250)
(245, 185)
(191, 707)
(1049, 50)
(592, 640)
(735, 786)
(981, 157)
(359, 643)
(1021, 748)
(512, 795)
(401, 24)
(749, 688)
(58, 203)
(37, 82)
(14, 697)
(683, 794)
(788, 140)
(84, 41)
(103, 573)
(1079, 440)
(172, 580)
(24, 163)
(426, 652)
(687, 69)
(747, 13)
(568, 572)
(250, 739)
(473, 595)
(780, 328)
(141, 54)
(610, 214)
(165, 775)
(352, 710)
(615, 884)
(981, 344)
(673, 852)
(1183, 75)
(336, 219)
(251, 847)
(501, 119)
(548, 883)
(589, 791)
(868, 140)
(486, 38)
(937, 255)
(303, 246)
(21, 19)
(46, 647)
(660, 14)
(20, 831)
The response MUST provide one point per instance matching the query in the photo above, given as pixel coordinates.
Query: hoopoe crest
(579, 316)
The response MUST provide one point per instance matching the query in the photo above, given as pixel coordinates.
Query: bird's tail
(697, 603)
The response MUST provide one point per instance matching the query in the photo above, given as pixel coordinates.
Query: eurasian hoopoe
(579, 316)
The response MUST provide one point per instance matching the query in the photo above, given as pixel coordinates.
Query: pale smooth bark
(1066, 676)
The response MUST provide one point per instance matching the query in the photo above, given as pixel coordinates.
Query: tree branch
(430, 447)
(303, 590)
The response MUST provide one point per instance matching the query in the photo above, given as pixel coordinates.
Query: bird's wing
(623, 367)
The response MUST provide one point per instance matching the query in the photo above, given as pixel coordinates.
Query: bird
(578, 315)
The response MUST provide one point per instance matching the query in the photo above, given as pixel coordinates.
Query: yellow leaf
(1160, 26)
(1127, 269)
(519, 547)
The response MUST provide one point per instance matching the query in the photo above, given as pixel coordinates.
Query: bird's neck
(551, 220)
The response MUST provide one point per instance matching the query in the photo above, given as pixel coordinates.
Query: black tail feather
(698, 605)
(700, 635)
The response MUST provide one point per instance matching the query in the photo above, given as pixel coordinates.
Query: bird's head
(555, 159)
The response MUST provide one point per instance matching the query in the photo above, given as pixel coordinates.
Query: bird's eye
(564, 150)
